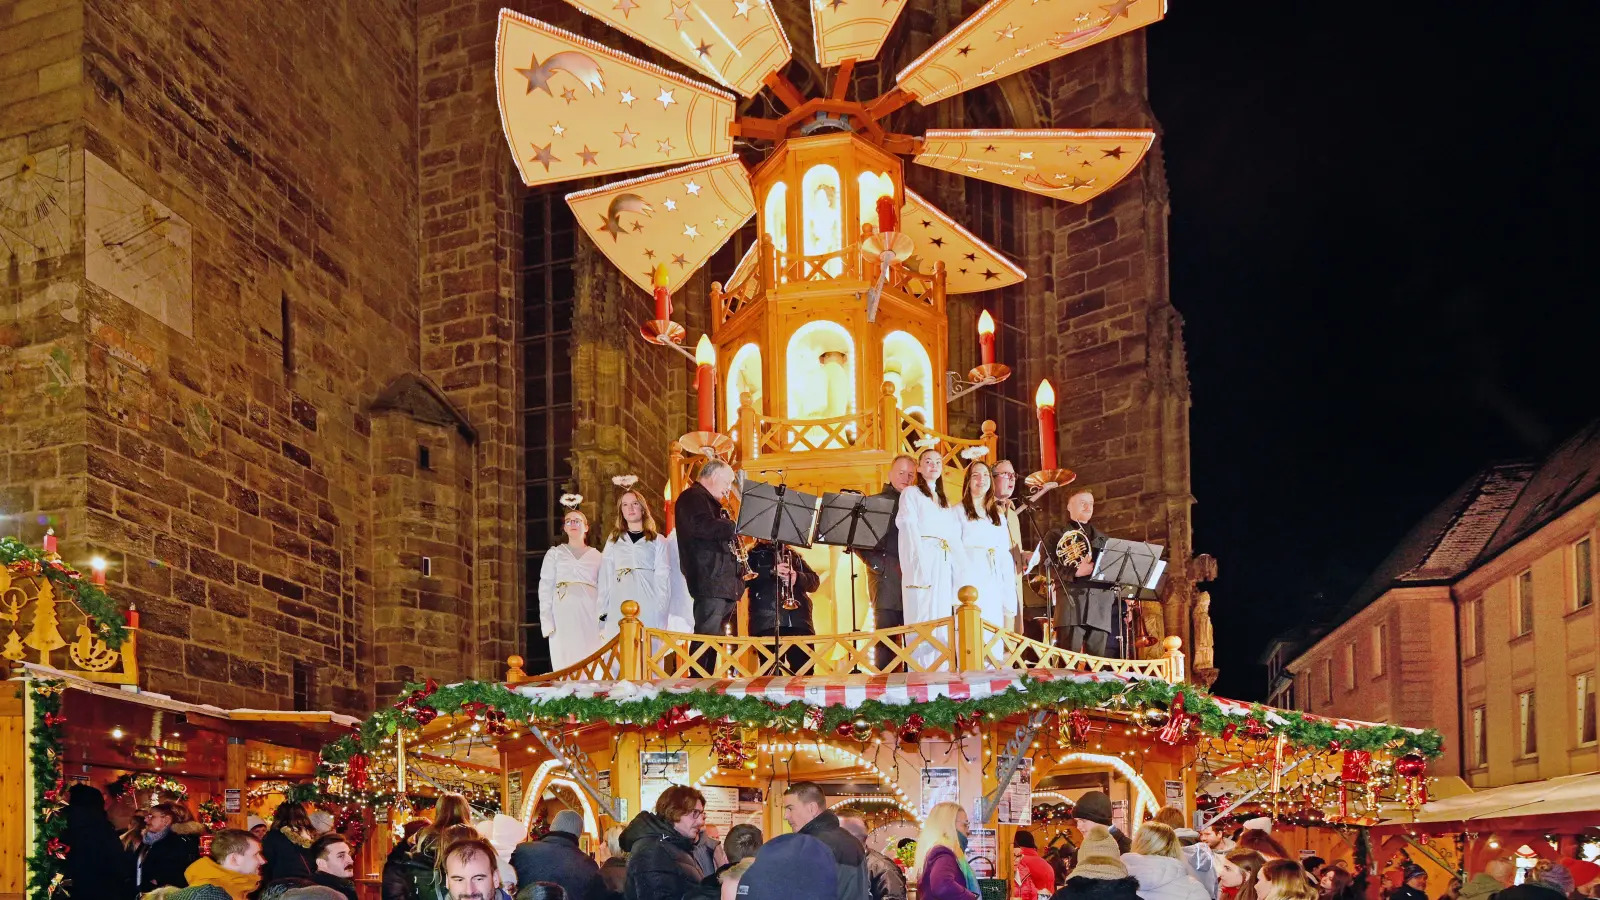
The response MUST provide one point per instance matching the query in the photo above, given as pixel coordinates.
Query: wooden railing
(959, 643)
(854, 431)
(764, 267)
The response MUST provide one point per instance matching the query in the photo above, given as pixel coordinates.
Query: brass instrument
(1073, 547)
(786, 598)
(740, 551)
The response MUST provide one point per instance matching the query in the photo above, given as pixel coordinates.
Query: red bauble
(1357, 766)
(843, 730)
(1229, 730)
(1412, 765)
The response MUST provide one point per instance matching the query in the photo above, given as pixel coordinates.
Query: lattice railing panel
(1009, 650)
(923, 647)
(800, 435)
(604, 664)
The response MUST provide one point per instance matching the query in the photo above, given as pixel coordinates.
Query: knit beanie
(1099, 857)
(1559, 878)
(791, 867)
(1094, 806)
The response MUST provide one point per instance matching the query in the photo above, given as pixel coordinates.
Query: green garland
(937, 715)
(109, 622)
(47, 855)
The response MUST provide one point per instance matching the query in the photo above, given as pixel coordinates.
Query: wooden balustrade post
(767, 264)
(718, 299)
(888, 419)
(1174, 648)
(747, 427)
(991, 441)
(630, 642)
(514, 671)
(969, 631)
(938, 283)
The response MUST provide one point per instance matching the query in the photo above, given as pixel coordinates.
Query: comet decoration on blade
(574, 108)
(1007, 36)
(844, 30)
(970, 264)
(1067, 164)
(677, 218)
(736, 43)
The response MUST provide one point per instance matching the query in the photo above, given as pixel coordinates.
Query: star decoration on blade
(1118, 8)
(671, 204)
(720, 222)
(543, 156)
(937, 242)
(627, 98)
(1114, 152)
(691, 187)
(678, 260)
(625, 137)
(649, 254)
(638, 226)
(704, 49)
(665, 146)
(587, 155)
(691, 232)
(557, 130)
(964, 50)
(1007, 33)
(1025, 154)
(625, 7)
(579, 65)
(679, 15)
(990, 274)
(741, 10)
(665, 98)
(835, 4)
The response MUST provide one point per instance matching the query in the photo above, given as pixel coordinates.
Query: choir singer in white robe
(986, 540)
(634, 566)
(569, 596)
(931, 557)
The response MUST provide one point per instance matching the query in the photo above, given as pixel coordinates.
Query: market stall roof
(1565, 795)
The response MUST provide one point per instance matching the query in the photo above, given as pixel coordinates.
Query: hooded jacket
(661, 864)
(286, 856)
(205, 870)
(887, 881)
(556, 857)
(848, 854)
(1163, 878)
(1480, 887)
(1083, 888)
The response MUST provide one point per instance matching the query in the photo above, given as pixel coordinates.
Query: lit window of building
(1527, 725)
(1582, 574)
(1523, 603)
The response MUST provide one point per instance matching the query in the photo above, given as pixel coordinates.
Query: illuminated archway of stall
(1145, 799)
(547, 775)
(822, 215)
(821, 377)
(907, 366)
(744, 375)
(876, 801)
(773, 749)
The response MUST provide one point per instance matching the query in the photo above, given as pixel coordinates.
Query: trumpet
(786, 598)
(1073, 548)
(741, 553)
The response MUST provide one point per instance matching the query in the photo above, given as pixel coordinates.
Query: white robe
(931, 562)
(634, 570)
(680, 606)
(990, 569)
(569, 604)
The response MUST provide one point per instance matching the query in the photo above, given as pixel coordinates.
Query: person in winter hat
(660, 846)
(1041, 876)
(1157, 862)
(1100, 873)
(1094, 808)
(556, 857)
(791, 867)
(1415, 886)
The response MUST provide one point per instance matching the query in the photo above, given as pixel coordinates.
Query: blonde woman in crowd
(940, 866)
(1156, 859)
(1285, 879)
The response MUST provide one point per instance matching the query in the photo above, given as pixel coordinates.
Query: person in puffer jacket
(660, 846)
(1100, 873)
(1202, 863)
(1156, 860)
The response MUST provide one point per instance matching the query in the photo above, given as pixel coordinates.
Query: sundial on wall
(137, 248)
(35, 216)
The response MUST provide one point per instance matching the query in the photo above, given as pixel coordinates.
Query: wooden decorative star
(569, 95)
(588, 156)
(671, 204)
(638, 226)
(557, 130)
(927, 223)
(543, 156)
(971, 257)
(665, 98)
(1007, 33)
(1118, 8)
(835, 4)
(664, 145)
(677, 259)
(741, 9)
(704, 49)
(625, 7)
(649, 254)
(720, 222)
(990, 274)
(691, 232)
(625, 137)
(1114, 153)
(964, 50)
(937, 242)
(679, 15)
(692, 188)
(627, 98)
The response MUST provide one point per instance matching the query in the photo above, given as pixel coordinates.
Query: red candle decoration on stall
(666, 491)
(132, 616)
(97, 572)
(986, 337)
(663, 296)
(705, 358)
(50, 540)
(1045, 400)
(888, 219)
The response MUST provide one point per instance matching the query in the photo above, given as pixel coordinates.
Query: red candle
(50, 540)
(888, 218)
(667, 506)
(986, 337)
(1045, 400)
(663, 297)
(705, 359)
(133, 617)
(97, 571)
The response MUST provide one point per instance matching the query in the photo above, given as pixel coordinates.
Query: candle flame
(98, 564)
(704, 353)
(660, 279)
(1045, 396)
(985, 323)
(666, 491)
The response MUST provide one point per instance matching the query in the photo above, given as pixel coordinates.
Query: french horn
(1073, 548)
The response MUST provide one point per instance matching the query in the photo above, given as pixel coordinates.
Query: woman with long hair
(287, 845)
(1284, 879)
(986, 540)
(1236, 874)
(569, 597)
(1156, 860)
(931, 558)
(1262, 843)
(410, 873)
(940, 866)
(633, 566)
(1336, 884)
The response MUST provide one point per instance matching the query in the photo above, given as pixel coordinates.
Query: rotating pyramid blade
(572, 108)
(851, 29)
(677, 218)
(970, 265)
(1067, 164)
(1007, 36)
(737, 42)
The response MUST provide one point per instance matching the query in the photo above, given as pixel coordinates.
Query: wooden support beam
(905, 144)
(784, 90)
(758, 129)
(888, 103)
(841, 79)
(238, 779)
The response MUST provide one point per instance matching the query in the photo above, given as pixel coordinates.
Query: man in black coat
(767, 615)
(805, 809)
(883, 561)
(164, 854)
(887, 881)
(94, 864)
(1087, 618)
(556, 857)
(660, 846)
(705, 535)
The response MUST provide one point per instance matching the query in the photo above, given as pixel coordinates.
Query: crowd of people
(693, 577)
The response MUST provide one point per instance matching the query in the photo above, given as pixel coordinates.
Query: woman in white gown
(931, 557)
(986, 540)
(569, 597)
(633, 566)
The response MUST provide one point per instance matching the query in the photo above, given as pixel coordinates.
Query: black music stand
(778, 514)
(1132, 567)
(855, 521)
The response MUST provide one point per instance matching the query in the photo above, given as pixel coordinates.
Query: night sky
(1382, 249)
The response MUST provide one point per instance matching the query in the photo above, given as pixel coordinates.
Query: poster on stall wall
(1119, 815)
(658, 771)
(1174, 792)
(983, 851)
(722, 806)
(1016, 804)
(940, 785)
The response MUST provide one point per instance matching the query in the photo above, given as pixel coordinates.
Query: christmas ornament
(1153, 718)
(1229, 730)
(911, 731)
(1179, 723)
(411, 704)
(861, 729)
(1357, 767)
(1255, 728)
(358, 771)
(814, 720)
(842, 730)
(729, 745)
